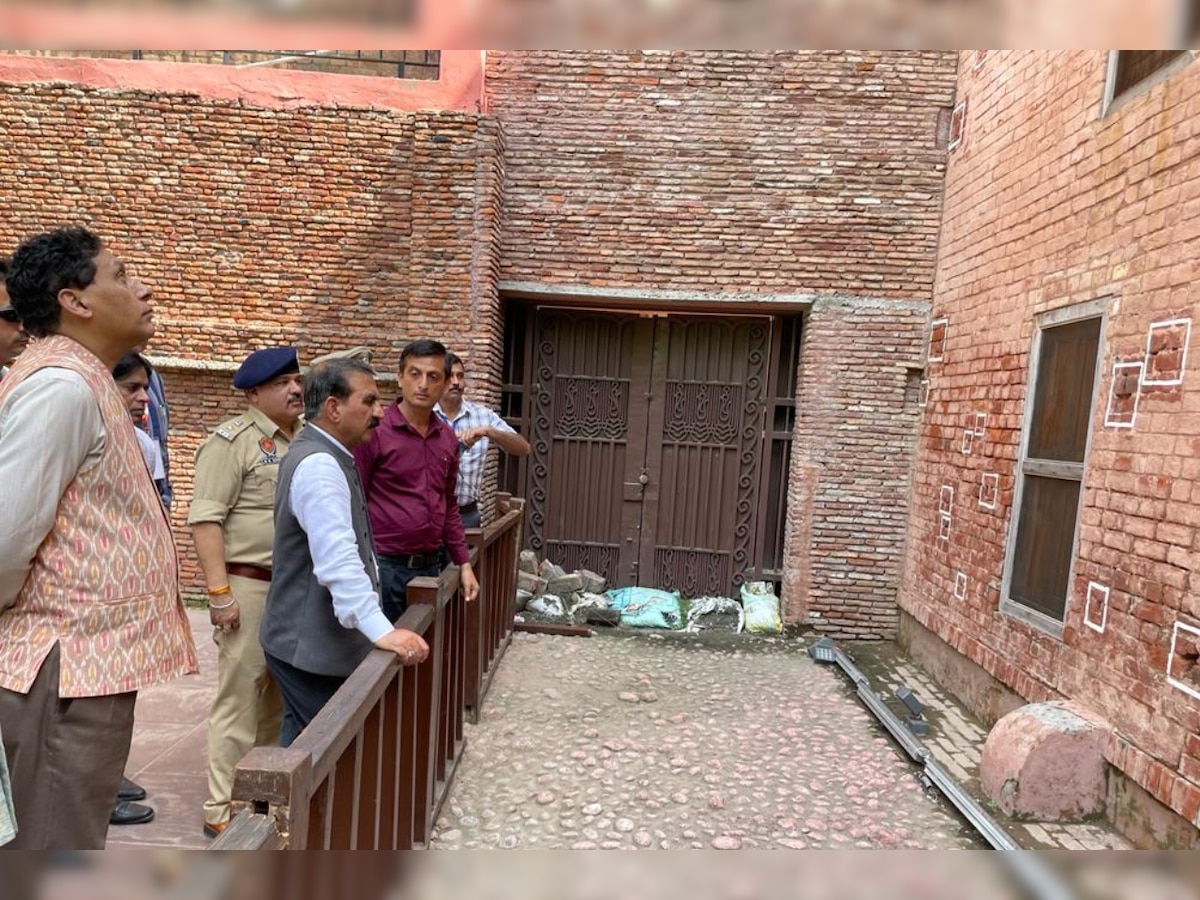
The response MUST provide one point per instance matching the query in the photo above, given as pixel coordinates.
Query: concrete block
(535, 584)
(550, 571)
(1045, 762)
(592, 583)
(523, 598)
(564, 584)
(528, 562)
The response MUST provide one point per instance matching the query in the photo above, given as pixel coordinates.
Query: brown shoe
(211, 830)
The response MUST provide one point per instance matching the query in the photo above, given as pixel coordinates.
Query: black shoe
(127, 813)
(130, 791)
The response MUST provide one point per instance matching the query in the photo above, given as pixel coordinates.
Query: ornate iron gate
(648, 439)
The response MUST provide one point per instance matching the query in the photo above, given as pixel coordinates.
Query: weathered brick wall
(743, 177)
(418, 64)
(326, 227)
(1048, 204)
(723, 171)
(851, 457)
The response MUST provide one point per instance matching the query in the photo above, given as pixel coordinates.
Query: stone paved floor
(676, 741)
(716, 740)
(956, 742)
(168, 757)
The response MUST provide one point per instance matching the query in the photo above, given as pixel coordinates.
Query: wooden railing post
(475, 615)
(424, 590)
(278, 780)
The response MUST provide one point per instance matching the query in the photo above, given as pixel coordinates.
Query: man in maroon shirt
(409, 469)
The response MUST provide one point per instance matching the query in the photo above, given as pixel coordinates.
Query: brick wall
(1049, 204)
(321, 226)
(851, 457)
(418, 64)
(733, 171)
(735, 178)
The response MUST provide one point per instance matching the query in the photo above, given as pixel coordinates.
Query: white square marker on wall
(989, 490)
(944, 528)
(938, 331)
(1123, 395)
(1183, 671)
(1095, 610)
(1168, 327)
(960, 586)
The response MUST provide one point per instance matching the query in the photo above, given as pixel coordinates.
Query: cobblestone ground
(682, 741)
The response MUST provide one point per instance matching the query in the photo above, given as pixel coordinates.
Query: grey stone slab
(533, 584)
(564, 585)
(528, 562)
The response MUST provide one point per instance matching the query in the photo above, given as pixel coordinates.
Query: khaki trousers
(247, 709)
(66, 757)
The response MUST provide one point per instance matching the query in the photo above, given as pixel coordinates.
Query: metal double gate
(649, 433)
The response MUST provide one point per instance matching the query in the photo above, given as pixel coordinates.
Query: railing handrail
(331, 731)
(493, 532)
(300, 788)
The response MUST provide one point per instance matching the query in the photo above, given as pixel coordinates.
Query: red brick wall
(735, 171)
(851, 457)
(1047, 205)
(738, 176)
(326, 227)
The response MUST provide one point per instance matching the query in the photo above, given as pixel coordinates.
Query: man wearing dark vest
(323, 611)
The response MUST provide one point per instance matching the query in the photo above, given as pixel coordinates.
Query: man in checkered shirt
(476, 427)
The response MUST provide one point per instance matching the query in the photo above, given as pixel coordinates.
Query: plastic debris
(761, 608)
(703, 606)
(643, 607)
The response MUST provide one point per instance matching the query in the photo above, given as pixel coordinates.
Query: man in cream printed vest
(90, 610)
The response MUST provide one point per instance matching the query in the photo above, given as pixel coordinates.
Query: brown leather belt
(248, 570)
(414, 560)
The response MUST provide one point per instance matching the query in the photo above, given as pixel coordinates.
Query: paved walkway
(635, 739)
(169, 757)
(674, 741)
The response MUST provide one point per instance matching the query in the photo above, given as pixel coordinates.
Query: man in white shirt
(475, 426)
(323, 613)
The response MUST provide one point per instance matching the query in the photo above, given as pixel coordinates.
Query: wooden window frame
(1095, 309)
(1114, 101)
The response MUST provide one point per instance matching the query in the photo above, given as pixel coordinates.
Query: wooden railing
(372, 769)
(490, 621)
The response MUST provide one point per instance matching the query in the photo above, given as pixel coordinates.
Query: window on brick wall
(1041, 550)
(1127, 69)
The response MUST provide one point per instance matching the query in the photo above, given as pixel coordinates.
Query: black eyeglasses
(10, 315)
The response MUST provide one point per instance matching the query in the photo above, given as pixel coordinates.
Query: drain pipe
(1033, 874)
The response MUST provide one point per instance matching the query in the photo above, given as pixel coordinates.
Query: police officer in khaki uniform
(232, 519)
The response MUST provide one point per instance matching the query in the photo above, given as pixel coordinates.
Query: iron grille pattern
(692, 572)
(702, 413)
(575, 555)
(596, 408)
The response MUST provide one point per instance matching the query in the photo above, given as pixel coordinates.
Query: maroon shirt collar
(396, 418)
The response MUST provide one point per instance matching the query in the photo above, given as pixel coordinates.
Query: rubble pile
(547, 593)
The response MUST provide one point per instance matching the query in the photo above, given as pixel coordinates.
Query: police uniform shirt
(237, 469)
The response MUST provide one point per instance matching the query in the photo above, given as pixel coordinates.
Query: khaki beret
(359, 353)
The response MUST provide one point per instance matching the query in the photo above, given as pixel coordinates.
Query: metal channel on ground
(1027, 868)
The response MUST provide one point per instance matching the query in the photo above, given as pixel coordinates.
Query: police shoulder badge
(267, 446)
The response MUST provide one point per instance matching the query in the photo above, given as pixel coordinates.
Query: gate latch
(635, 489)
